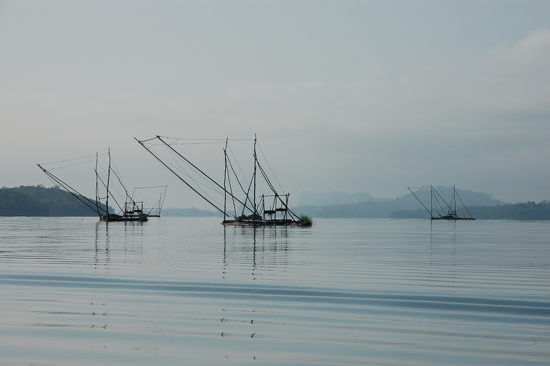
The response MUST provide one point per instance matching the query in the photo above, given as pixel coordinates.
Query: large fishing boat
(246, 207)
(439, 208)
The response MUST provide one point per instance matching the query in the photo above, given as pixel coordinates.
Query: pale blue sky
(364, 95)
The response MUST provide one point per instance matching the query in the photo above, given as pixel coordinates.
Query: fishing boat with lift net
(129, 209)
(236, 198)
(439, 208)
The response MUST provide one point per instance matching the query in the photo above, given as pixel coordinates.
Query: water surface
(172, 291)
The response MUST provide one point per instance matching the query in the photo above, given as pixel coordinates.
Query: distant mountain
(334, 197)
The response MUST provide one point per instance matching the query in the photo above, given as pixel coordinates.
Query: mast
(254, 177)
(431, 201)
(286, 205)
(454, 198)
(96, 183)
(108, 178)
(225, 179)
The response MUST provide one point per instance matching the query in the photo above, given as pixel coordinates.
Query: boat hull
(118, 218)
(265, 223)
(452, 218)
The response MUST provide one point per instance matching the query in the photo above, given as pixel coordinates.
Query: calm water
(177, 291)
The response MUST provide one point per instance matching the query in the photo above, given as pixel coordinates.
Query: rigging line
(207, 184)
(127, 198)
(449, 207)
(419, 188)
(237, 162)
(85, 200)
(69, 165)
(248, 198)
(188, 139)
(440, 208)
(71, 190)
(453, 202)
(437, 204)
(104, 211)
(192, 139)
(242, 188)
(236, 176)
(150, 187)
(118, 204)
(69, 194)
(88, 202)
(96, 184)
(163, 198)
(154, 143)
(272, 173)
(103, 183)
(410, 189)
(203, 184)
(202, 187)
(284, 204)
(231, 190)
(148, 195)
(199, 185)
(266, 178)
(117, 174)
(217, 208)
(195, 167)
(62, 161)
(123, 187)
(175, 163)
(194, 143)
(291, 211)
(146, 140)
(115, 170)
(112, 196)
(464, 205)
(102, 168)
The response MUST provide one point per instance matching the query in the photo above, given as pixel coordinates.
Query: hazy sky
(343, 95)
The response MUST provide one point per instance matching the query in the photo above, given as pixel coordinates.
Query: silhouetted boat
(129, 210)
(252, 210)
(439, 212)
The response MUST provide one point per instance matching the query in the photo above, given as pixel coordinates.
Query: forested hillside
(40, 201)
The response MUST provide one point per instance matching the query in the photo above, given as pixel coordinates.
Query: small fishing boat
(439, 208)
(130, 210)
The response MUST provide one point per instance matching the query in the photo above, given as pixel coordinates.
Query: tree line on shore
(40, 201)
